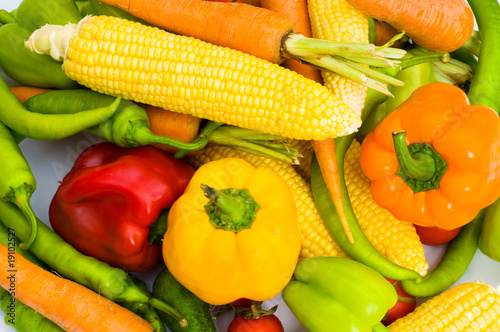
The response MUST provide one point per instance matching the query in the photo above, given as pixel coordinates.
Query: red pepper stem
(418, 165)
(162, 306)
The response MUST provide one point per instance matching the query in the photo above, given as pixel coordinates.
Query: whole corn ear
(337, 20)
(151, 66)
(471, 306)
(395, 239)
(316, 240)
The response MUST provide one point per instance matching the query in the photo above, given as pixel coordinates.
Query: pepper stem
(420, 166)
(162, 306)
(230, 209)
(20, 196)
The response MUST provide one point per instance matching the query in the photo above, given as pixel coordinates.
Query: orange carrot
(25, 92)
(438, 25)
(384, 32)
(263, 29)
(68, 304)
(183, 127)
(296, 12)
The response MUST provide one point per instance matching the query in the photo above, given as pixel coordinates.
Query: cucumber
(168, 289)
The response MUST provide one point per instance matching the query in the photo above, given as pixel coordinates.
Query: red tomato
(435, 236)
(406, 304)
(265, 323)
(244, 303)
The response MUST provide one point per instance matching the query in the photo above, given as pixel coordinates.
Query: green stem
(230, 209)
(340, 67)
(473, 44)
(221, 137)
(162, 306)
(419, 166)
(233, 209)
(21, 197)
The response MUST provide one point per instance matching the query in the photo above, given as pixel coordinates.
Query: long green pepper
(48, 126)
(17, 183)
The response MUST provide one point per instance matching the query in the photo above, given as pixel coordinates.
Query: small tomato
(435, 236)
(265, 323)
(243, 303)
(406, 304)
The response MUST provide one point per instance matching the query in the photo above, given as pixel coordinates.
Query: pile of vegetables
(247, 150)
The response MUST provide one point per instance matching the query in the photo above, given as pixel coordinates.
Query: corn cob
(182, 74)
(337, 20)
(395, 239)
(316, 240)
(471, 306)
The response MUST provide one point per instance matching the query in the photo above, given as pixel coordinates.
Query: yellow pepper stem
(230, 209)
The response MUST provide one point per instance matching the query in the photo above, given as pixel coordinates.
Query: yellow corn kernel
(182, 74)
(337, 20)
(316, 240)
(305, 149)
(395, 239)
(471, 306)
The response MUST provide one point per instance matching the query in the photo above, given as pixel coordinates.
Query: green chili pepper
(453, 263)
(48, 126)
(489, 241)
(485, 85)
(129, 126)
(9, 239)
(24, 66)
(18, 182)
(113, 283)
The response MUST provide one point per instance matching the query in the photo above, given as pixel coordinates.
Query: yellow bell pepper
(233, 233)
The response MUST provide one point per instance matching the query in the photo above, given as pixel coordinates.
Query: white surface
(51, 160)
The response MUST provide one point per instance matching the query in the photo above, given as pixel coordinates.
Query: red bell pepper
(106, 204)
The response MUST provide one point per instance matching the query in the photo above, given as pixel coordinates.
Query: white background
(51, 160)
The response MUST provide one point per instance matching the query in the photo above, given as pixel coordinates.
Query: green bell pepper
(489, 242)
(24, 66)
(338, 294)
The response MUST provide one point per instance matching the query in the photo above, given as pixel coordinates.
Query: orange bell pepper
(435, 160)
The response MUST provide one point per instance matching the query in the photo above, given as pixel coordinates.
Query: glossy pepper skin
(338, 294)
(452, 169)
(246, 257)
(106, 204)
(24, 66)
